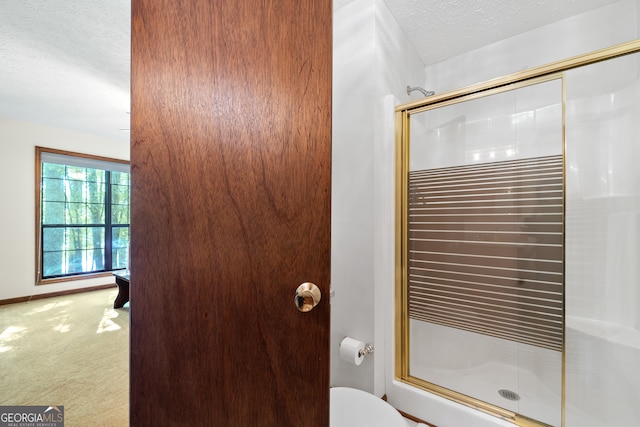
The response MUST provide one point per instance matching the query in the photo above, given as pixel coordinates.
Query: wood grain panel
(231, 156)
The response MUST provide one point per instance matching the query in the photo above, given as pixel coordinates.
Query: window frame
(40, 280)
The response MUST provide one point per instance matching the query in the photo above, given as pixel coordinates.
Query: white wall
(372, 62)
(17, 192)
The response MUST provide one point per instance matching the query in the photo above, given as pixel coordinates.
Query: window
(82, 214)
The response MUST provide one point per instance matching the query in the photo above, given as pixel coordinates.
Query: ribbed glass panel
(486, 248)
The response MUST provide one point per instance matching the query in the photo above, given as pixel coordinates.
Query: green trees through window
(84, 215)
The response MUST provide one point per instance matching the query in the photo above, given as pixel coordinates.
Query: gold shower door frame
(403, 115)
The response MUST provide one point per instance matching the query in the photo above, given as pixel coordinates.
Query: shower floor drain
(509, 394)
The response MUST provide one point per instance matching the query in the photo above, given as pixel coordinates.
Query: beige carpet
(71, 351)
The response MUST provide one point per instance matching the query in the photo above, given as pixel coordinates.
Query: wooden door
(230, 163)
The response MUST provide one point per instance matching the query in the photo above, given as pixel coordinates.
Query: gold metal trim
(401, 313)
(523, 421)
(487, 92)
(487, 408)
(462, 399)
(550, 71)
(564, 255)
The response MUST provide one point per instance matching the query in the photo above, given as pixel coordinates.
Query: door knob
(307, 296)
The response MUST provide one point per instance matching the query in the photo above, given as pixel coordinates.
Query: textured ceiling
(65, 63)
(441, 29)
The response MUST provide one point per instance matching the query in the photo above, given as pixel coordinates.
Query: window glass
(84, 215)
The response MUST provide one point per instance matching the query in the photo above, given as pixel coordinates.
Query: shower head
(424, 92)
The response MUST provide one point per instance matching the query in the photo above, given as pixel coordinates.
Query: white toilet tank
(356, 408)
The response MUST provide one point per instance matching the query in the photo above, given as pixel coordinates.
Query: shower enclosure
(518, 240)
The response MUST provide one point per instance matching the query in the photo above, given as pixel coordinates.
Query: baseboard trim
(56, 294)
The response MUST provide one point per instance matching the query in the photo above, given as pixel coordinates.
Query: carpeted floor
(71, 351)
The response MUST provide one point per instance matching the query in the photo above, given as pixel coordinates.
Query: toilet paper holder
(368, 349)
(353, 351)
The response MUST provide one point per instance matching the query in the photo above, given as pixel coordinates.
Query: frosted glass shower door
(603, 244)
(485, 276)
